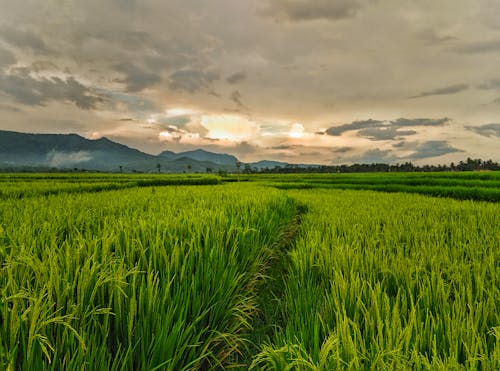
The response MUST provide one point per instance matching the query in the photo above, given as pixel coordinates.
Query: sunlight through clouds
(265, 74)
(297, 131)
(229, 127)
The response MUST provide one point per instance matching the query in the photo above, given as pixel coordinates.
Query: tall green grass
(145, 277)
(389, 281)
(483, 186)
(138, 279)
(16, 186)
(458, 192)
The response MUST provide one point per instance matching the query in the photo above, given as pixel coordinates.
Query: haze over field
(290, 80)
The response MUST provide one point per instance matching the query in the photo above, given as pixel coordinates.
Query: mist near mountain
(70, 151)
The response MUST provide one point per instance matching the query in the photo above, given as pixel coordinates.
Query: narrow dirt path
(270, 290)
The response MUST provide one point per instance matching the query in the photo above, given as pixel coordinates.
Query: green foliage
(150, 272)
(484, 186)
(31, 185)
(390, 282)
(133, 279)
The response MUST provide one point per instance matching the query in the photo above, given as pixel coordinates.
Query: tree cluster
(467, 165)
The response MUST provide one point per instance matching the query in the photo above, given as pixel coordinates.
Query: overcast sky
(323, 81)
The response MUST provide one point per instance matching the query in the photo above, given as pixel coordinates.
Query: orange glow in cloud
(228, 127)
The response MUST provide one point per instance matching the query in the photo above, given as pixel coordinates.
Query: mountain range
(70, 151)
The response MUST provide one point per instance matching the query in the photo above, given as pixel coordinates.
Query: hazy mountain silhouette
(202, 155)
(68, 151)
(267, 164)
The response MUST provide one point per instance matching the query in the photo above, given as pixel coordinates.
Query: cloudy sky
(323, 81)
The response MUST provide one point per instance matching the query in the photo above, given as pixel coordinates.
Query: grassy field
(389, 281)
(157, 272)
(460, 185)
(29, 185)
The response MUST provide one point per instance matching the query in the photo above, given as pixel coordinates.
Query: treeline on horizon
(467, 165)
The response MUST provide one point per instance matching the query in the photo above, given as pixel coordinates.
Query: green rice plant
(43, 186)
(389, 281)
(134, 279)
(142, 276)
(459, 187)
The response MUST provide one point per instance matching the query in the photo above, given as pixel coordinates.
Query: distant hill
(267, 164)
(68, 151)
(202, 155)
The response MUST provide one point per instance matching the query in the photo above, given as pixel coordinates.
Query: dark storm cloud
(384, 130)
(172, 129)
(385, 133)
(374, 156)
(342, 149)
(421, 122)
(478, 47)
(355, 125)
(420, 151)
(284, 147)
(30, 91)
(136, 79)
(178, 121)
(6, 58)
(401, 144)
(306, 10)
(236, 77)
(245, 147)
(24, 39)
(191, 80)
(432, 148)
(452, 89)
(487, 130)
(236, 98)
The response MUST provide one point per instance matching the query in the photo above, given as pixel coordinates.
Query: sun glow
(296, 131)
(228, 127)
(179, 111)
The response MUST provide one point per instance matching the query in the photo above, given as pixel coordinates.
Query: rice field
(389, 281)
(460, 185)
(29, 185)
(155, 272)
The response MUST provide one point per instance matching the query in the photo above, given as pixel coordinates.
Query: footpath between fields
(270, 291)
